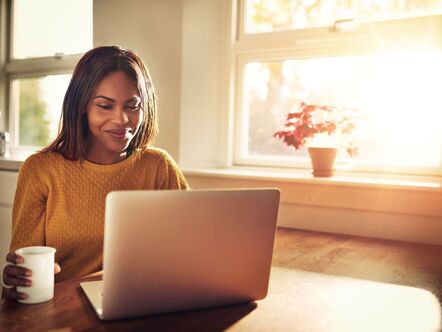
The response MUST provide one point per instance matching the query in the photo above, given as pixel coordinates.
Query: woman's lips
(119, 134)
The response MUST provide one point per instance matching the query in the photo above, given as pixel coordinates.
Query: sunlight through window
(387, 67)
(276, 15)
(47, 27)
(47, 38)
(399, 122)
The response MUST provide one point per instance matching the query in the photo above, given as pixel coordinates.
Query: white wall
(182, 43)
(152, 28)
(201, 104)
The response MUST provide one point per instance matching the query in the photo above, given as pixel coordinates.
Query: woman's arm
(29, 208)
(28, 219)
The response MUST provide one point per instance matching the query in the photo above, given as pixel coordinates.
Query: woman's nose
(119, 116)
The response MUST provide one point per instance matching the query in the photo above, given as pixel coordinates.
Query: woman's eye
(133, 108)
(105, 107)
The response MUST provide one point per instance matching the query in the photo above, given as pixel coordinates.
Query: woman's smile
(120, 134)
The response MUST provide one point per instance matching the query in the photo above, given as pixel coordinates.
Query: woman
(109, 118)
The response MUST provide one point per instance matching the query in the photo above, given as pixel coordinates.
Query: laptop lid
(168, 251)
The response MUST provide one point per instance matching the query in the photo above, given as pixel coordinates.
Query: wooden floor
(395, 262)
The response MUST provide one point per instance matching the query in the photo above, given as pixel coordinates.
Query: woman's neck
(105, 158)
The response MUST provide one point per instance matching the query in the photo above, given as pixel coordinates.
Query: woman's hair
(95, 65)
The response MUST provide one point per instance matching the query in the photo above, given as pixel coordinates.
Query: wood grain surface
(319, 282)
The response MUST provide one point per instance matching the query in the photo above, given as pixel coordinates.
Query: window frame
(399, 35)
(12, 69)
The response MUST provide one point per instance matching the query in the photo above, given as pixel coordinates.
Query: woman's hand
(14, 276)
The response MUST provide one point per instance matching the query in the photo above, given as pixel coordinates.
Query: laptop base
(94, 293)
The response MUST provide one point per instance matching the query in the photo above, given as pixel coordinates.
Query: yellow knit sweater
(60, 203)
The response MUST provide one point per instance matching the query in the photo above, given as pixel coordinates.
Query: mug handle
(3, 283)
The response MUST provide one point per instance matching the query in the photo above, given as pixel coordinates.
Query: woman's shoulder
(42, 160)
(43, 157)
(167, 173)
(152, 153)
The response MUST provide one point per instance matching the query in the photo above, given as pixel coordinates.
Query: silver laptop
(168, 251)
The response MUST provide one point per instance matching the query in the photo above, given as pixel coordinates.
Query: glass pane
(46, 27)
(39, 103)
(276, 15)
(396, 95)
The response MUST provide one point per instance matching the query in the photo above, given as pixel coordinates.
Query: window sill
(366, 193)
(370, 180)
(391, 207)
(13, 162)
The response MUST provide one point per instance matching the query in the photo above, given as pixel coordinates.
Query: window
(380, 57)
(43, 40)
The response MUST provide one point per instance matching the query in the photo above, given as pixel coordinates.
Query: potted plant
(324, 130)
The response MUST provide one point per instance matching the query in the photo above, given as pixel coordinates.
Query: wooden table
(319, 282)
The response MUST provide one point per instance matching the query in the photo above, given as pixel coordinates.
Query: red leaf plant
(312, 121)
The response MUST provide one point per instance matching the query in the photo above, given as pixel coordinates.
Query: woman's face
(114, 116)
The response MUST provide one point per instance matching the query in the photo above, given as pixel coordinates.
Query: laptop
(168, 251)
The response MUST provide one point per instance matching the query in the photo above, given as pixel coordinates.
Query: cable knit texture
(60, 203)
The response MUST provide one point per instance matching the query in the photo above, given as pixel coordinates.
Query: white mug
(40, 260)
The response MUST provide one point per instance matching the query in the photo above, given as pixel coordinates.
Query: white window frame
(12, 69)
(363, 39)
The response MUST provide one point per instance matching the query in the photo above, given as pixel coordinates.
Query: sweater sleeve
(169, 176)
(29, 209)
